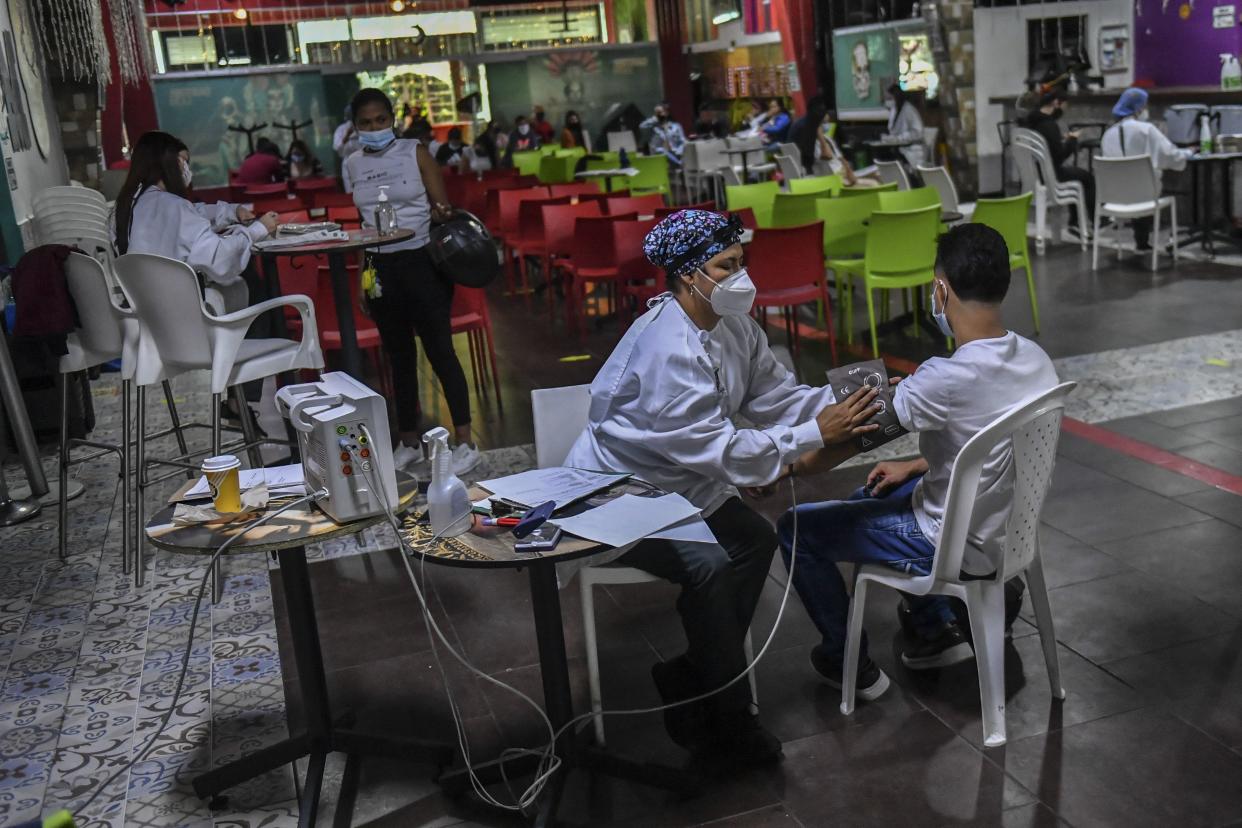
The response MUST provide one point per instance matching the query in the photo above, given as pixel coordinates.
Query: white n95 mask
(735, 296)
(186, 175)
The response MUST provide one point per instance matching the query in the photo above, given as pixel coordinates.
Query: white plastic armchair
(939, 179)
(1033, 428)
(1039, 175)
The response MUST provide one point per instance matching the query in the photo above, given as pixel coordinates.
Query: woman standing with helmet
(411, 297)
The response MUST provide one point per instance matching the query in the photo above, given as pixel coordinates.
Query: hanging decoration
(74, 31)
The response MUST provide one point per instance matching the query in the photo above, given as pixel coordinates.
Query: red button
(345, 456)
(347, 470)
(365, 453)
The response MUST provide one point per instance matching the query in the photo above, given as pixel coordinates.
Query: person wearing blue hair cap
(1132, 134)
(665, 408)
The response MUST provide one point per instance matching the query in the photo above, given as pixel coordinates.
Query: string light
(398, 6)
(241, 13)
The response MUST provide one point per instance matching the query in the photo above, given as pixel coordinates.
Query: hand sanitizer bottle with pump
(385, 216)
(447, 501)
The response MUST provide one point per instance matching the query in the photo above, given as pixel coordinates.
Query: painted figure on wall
(860, 70)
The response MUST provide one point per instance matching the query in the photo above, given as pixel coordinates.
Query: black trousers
(720, 587)
(416, 299)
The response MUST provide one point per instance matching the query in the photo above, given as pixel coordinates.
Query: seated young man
(896, 518)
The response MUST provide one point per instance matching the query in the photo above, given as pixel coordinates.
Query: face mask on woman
(376, 139)
(523, 129)
(186, 175)
(297, 157)
(734, 296)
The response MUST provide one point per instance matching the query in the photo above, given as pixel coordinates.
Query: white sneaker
(465, 458)
(403, 456)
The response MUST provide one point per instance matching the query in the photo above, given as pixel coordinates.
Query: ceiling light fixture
(398, 6)
(241, 13)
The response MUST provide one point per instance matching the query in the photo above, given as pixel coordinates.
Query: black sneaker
(675, 680)
(872, 681)
(738, 740)
(946, 648)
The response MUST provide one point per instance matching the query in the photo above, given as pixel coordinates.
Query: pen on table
(504, 521)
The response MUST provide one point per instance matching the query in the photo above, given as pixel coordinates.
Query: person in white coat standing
(905, 124)
(1132, 134)
(663, 407)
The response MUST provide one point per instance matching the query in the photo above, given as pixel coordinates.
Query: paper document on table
(694, 530)
(629, 518)
(280, 480)
(560, 485)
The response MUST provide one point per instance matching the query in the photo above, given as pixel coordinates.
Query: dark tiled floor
(1143, 576)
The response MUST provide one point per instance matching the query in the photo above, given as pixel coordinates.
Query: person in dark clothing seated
(263, 166)
(1044, 121)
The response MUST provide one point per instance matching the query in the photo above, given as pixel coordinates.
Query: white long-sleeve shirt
(205, 236)
(663, 405)
(906, 124)
(1130, 136)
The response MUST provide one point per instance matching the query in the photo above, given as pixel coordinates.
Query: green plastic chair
(790, 210)
(830, 184)
(1007, 216)
(556, 169)
(856, 192)
(758, 197)
(572, 152)
(845, 225)
(900, 253)
(892, 201)
(549, 149)
(652, 175)
(527, 163)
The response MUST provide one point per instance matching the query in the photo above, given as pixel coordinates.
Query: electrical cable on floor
(549, 762)
(189, 644)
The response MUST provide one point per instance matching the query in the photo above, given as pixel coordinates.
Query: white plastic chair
(187, 336)
(624, 140)
(939, 179)
(1034, 160)
(750, 142)
(892, 172)
(790, 169)
(1126, 189)
(712, 163)
(107, 331)
(1034, 427)
(560, 416)
(74, 216)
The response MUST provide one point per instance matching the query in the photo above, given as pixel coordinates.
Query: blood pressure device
(342, 428)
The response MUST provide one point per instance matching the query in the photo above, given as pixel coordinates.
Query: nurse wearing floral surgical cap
(664, 407)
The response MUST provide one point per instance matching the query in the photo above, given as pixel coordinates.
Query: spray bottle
(447, 501)
(1230, 72)
(1205, 133)
(385, 216)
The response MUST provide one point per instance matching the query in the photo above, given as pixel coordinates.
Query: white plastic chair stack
(939, 179)
(891, 172)
(164, 294)
(560, 415)
(1038, 175)
(75, 216)
(1034, 427)
(789, 167)
(1126, 189)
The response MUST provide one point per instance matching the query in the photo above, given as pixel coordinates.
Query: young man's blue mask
(938, 314)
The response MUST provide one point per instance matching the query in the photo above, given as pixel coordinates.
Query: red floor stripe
(1157, 457)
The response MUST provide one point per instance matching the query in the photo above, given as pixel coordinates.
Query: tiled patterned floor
(89, 662)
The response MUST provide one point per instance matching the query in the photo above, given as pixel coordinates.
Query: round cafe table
(336, 252)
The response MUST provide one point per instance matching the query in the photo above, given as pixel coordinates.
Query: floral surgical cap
(686, 239)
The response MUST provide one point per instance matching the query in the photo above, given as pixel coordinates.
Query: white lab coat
(205, 236)
(906, 124)
(663, 408)
(1130, 136)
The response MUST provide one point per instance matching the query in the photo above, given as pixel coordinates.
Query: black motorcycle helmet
(462, 249)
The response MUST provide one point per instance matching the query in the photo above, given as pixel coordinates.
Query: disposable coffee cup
(223, 475)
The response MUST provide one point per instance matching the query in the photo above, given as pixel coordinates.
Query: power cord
(549, 761)
(185, 657)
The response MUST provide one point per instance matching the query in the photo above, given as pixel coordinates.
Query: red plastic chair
(470, 316)
(293, 217)
(491, 202)
(510, 205)
(348, 217)
(592, 258)
(663, 212)
(495, 175)
(260, 190)
(559, 222)
(210, 195)
(316, 185)
(787, 266)
(638, 279)
(530, 239)
(307, 275)
(579, 188)
(278, 205)
(330, 198)
(747, 216)
(645, 205)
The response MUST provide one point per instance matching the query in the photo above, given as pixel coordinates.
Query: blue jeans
(863, 529)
